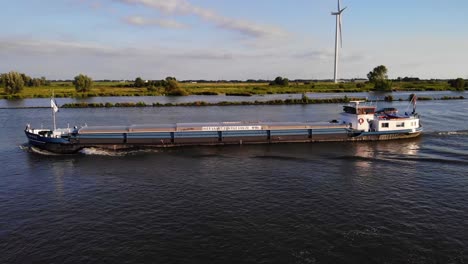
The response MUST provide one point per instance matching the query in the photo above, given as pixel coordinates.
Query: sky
(232, 39)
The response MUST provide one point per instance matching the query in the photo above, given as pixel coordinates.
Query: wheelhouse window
(385, 125)
(366, 110)
(400, 124)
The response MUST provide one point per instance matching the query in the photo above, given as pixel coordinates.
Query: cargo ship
(357, 122)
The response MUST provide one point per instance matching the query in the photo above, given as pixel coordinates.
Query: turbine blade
(338, 5)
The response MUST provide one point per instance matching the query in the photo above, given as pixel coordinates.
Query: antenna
(338, 35)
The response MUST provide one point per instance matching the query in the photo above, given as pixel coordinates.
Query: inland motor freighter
(357, 122)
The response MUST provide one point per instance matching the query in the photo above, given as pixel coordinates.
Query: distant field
(66, 89)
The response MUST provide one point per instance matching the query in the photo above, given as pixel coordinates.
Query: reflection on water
(367, 158)
(342, 202)
(59, 170)
(57, 166)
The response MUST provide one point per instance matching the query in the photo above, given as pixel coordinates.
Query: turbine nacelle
(339, 12)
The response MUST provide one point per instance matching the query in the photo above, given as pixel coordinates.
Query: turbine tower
(338, 35)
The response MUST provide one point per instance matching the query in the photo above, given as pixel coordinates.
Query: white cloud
(164, 23)
(169, 6)
(64, 59)
(43, 47)
(205, 55)
(322, 55)
(183, 7)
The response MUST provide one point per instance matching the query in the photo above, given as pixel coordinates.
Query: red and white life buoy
(360, 120)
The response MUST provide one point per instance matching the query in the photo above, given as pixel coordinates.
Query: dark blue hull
(56, 145)
(116, 141)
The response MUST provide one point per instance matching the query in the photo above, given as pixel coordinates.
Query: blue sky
(224, 39)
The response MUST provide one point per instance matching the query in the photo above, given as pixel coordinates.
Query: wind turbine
(338, 35)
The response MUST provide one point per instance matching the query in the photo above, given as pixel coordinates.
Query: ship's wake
(282, 158)
(32, 149)
(450, 133)
(91, 151)
(100, 152)
(116, 153)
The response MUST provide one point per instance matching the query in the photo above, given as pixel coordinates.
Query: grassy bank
(303, 100)
(202, 103)
(66, 89)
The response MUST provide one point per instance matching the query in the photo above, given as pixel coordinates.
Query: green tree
(83, 83)
(35, 82)
(379, 73)
(280, 81)
(44, 81)
(12, 82)
(171, 87)
(383, 85)
(26, 79)
(378, 76)
(458, 84)
(139, 82)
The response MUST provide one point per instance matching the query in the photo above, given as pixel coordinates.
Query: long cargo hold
(357, 123)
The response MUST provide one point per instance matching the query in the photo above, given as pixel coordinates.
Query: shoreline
(302, 101)
(242, 94)
(65, 89)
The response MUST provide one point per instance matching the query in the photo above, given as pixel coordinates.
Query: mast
(53, 116)
(54, 107)
(414, 103)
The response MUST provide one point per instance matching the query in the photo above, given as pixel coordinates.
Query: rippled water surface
(378, 202)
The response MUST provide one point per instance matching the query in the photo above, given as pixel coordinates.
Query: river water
(377, 202)
(45, 102)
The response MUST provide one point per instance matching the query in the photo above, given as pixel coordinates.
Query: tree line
(169, 86)
(378, 76)
(13, 82)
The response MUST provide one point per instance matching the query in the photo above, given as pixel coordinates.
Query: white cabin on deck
(357, 116)
(365, 118)
(389, 123)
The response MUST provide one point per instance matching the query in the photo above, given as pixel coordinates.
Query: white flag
(53, 105)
